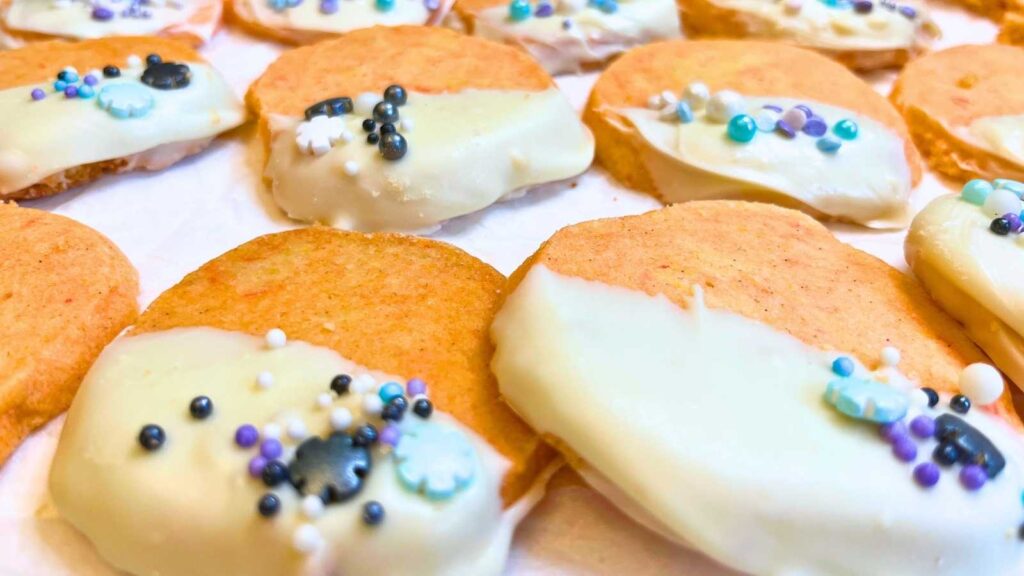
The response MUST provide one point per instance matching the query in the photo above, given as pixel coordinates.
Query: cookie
(309, 22)
(329, 392)
(421, 125)
(862, 34)
(963, 110)
(967, 251)
(26, 21)
(65, 291)
(76, 112)
(569, 35)
(698, 120)
(741, 381)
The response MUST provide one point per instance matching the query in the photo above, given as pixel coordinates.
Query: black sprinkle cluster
(381, 129)
(959, 442)
(165, 75)
(333, 469)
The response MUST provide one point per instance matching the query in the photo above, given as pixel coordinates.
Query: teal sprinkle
(742, 128)
(846, 129)
(518, 10)
(976, 191)
(384, 5)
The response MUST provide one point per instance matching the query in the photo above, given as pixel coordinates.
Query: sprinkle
(85, 92)
(724, 105)
(926, 474)
(960, 404)
(71, 92)
(923, 427)
(846, 129)
(272, 431)
(271, 448)
(908, 12)
(655, 103)
(324, 400)
(275, 473)
(201, 407)
(297, 429)
(372, 405)
(843, 366)
(111, 72)
(340, 384)
(890, 356)
(933, 396)
(1001, 201)
(815, 126)
(407, 124)
(1011, 185)
(785, 129)
(415, 387)
(365, 435)
(827, 144)
(697, 95)
(1014, 220)
(265, 379)
(981, 382)
(373, 513)
(389, 435)
(307, 539)
(152, 437)
(363, 384)
(893, 431)
(684, 112)
(863, 6)
(422, 408)
(384, 5)
(742, 128)
(341, 419)
(269, 505)
(946, 454)
(365, 102)
(544, 10)
(766, 120)
(276, 338)
(795, 118)
(393, 146)
(256, 466)
(38, 94)
(59, 86)
(973, 477)
(312, 507)
(134, 61)
(351, 167)
(905, 450)
(867, 400)
(246, 436)
(518, 10)
(1000, 226)
(390, 391)
(976, 191)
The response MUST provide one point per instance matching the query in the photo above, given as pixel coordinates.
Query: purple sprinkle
(432, 5)
(815, 126)
(806, 110)
(908, 12)
(271, 448)
(893, 431)
(785, 129)
(328, 7)
(544, 10)
(102, 14)
(773, 108)
(923, 427)
(38, 94)
(71, 92)
(926, 474)
(904, 449)
(390, 435)
(863, 6)
(90, 80)
(1010, 217)
(566, 24)
(256, 466)
(973, 477)
(247, 436)
(415, 387)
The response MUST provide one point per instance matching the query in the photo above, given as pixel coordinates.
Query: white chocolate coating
(976, 275)
(698, 161)
(715, 425)
(592, 36)
(189, 508)
(1000, 135)
(46, 137)
(351, 15)
(466, 151)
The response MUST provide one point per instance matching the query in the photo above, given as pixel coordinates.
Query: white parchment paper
(170, 223)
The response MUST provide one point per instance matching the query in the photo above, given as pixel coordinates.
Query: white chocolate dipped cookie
(570, 36)
(132, 104)
(26, 21)
(700, 120)
(428, 126)
(968, 251)
(862, 34)
(708, 367)
(333, 442)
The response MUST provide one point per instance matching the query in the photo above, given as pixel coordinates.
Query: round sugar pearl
(982, 383)
(372, 405)
(766, 119)
(697, 95)
(890, 356)
(827, 144)
(272, 431)
(390, 391)
(415, 387)
(846, 129)
(973, 477)
(904, 449)
(742, 128)
(265, 379)
(1011, 185)
(341, 419)
(926, 474)
(724, 105)
(38, 94)
(297, 429)
(1000, 202)
(312, 507)
(843, 366)
(276, 338)
(976, 191)
(307, 539)
(795, 118)
(324, 400)
(923, 427)
(518, 10)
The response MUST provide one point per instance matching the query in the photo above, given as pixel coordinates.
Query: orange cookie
(964, 110)
(65, 291)
(132, 103)
(26, 21)
(308, 22)
(724, 370)
(570, 35)
(366, 356)
(862, 34)
(693, 120)
(421, 126)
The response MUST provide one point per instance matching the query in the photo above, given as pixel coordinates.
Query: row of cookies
(392, 144)
(320, 402)
(564, 35)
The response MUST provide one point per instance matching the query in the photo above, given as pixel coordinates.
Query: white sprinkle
(312, 507)
(71, 70)
(276, 338)
(306, 539)
(890, 356)
(363, 384)
(324, 400)
(272, 431)
(981, 383)
(407, 124)
(668, 98)
(297, 429)
(346, 136)
(697, 95)
(351, 167)
(722, 106)
(96, 73)
(365, 102)
(341, 419)
(668, 112)
(372, 404)
(265, 379)
(654, 102)
(134, 61)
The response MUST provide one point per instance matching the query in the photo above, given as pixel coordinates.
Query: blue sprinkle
(828, 145)
(867, 400)
(684, 112)
(59, 86)
(390, 391)
(843, 366)
(1011, 185)
(976, 191)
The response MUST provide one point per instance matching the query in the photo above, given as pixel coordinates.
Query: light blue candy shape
(867, 400)
(125, 100)
(1011, 185)
(435, 460)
